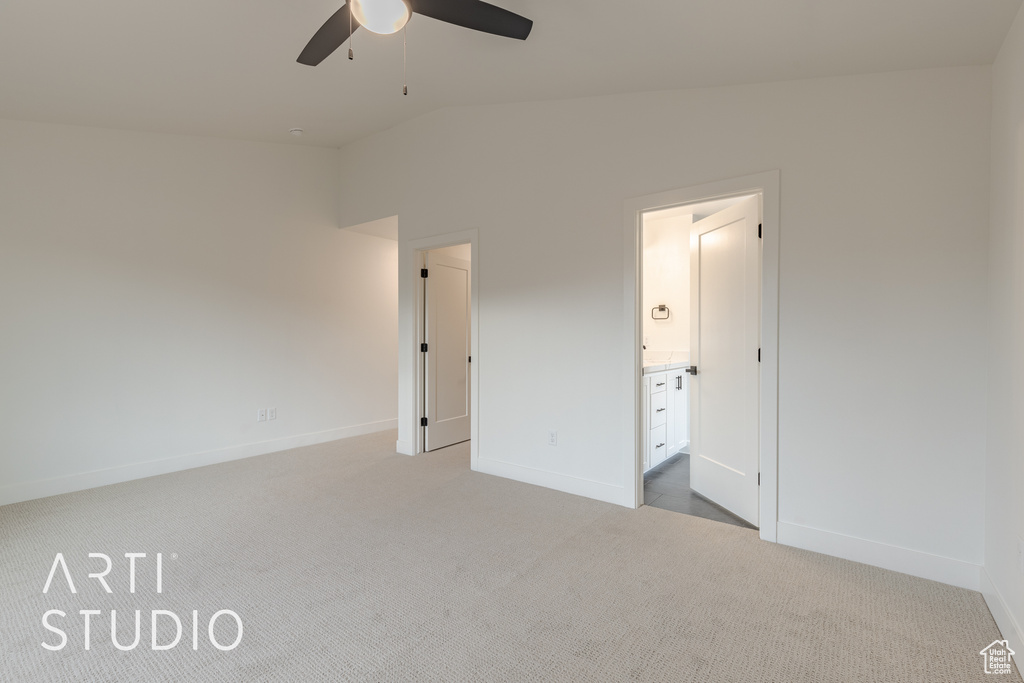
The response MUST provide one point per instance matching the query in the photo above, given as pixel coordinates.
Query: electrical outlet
(552, 438)
(271, 413)
(261, 415)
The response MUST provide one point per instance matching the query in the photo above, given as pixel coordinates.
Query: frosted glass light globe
(380, 16)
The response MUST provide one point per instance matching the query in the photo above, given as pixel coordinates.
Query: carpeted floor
(346, 562)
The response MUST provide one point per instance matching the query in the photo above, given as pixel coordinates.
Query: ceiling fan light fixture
(381, 16)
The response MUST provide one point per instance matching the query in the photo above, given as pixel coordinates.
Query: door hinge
(423, 272)
(423, 347)
(758, 478)
(470, 359)
(758, 353)
(758, 234)
(423, 423)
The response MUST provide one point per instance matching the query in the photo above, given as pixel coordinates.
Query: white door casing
(725, 275)
(447, 359)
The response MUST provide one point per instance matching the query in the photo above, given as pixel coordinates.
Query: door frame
(445, 433)
(411, 386)
(767, 184)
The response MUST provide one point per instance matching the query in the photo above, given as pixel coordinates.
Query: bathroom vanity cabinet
(666, 393)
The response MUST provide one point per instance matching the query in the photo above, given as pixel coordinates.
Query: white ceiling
(227, 67)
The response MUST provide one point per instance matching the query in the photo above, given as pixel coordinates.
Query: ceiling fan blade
(476, 15)
(329, 38)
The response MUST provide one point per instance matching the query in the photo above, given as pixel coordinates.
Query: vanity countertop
(674, 361)
(650, 369)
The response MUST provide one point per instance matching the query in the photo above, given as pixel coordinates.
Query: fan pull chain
(351, 55)
(405, 61)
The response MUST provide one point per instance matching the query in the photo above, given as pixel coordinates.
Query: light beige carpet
(347, 562)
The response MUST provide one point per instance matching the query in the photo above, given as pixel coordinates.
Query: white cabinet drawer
(657, 440)
(658, 410)
(659, 382)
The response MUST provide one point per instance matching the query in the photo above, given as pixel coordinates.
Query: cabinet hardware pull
(660, 384)
(659, 445)
(659, 410)
(679, 381)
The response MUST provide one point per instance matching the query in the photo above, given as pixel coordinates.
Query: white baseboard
(560, 482)
(1008, 625)
(404, 447)
(913, 562)
(41, 488)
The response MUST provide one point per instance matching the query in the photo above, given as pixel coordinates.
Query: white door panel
(447, 309)
(725, 330)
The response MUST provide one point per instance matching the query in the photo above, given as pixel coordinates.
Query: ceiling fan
(389, 16)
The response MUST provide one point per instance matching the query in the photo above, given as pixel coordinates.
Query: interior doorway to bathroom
(706, 311)
(669, 366)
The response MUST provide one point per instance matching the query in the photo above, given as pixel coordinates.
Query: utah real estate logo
(998, 657)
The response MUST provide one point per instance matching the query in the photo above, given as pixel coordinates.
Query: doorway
(446, 346)
(412, 334)
(714, 482)
(731, 459)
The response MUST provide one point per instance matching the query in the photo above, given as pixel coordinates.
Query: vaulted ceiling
(227, 67)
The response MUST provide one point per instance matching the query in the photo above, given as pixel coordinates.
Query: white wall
(666, 275)
(155, 291)
(1005, 481)
(883, 255)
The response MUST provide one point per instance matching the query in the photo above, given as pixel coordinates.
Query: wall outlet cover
(552, 438)
(261, 415)
(271, 413)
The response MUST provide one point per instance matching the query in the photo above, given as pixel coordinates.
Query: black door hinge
(423, 423)
(423, 347)
(758, 354)
(470, 359)
(423, 272)
(758, 478)
(758, 234)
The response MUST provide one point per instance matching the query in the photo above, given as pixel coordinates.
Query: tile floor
(667, 486)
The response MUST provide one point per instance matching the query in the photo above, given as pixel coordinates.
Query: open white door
(447, 355)
(725, 277)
